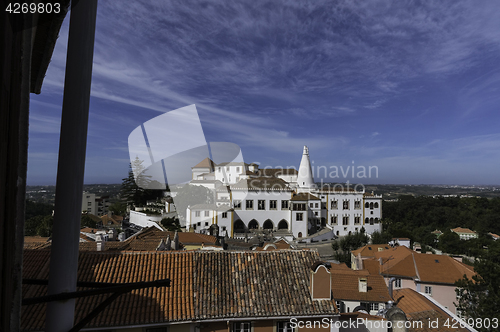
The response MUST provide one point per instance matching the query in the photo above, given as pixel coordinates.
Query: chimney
(362, 285)
(101, 243)
(321, 283)
(176, 241)
(168, 245)
(161, 246)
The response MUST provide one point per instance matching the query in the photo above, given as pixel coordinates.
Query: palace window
(334, 204)
(357, 204)
(345, 220)
(333, 220)
(357, 220)
(284, 205)
(261, 204)
(249, 204)
(273, 204)
(237, 204)
(196, 213)
(207, 213)
(345, 205)
(300, 217)
(242, 327)
(284, 326)
(299, 206)
(375, 205)
(316, 205)
(224, 215)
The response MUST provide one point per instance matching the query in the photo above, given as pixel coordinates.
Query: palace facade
(285, 201)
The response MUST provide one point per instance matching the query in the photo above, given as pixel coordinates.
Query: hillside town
(255, 259)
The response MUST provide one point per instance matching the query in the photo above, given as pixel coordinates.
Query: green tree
(479, 297)
(88, 221)
(134, 190)
(171, 224)
(380, 237)
(118, 208)
(192, 195)
(343, 247)
(450, 243)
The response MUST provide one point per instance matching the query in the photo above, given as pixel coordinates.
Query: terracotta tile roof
(85, 238)
(33, 242)
(256, 284)
(462, 230)
(184, 237)
(370, 250)
(495, 236)
(110, 221)
(418, 308)
(403, 262)
(205, 163)
(372, 266)
(304, 197)
(153, 305)
(204, 285)
(277, 245)
(441, 269)
(146, 240)
(345, 285)
(89, 230)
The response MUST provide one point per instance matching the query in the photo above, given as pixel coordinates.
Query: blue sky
(408, 86)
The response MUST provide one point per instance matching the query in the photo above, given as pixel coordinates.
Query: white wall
(144, 220)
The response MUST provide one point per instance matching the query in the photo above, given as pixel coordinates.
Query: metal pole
(71, 164)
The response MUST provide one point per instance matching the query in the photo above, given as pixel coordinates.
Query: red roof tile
(418, 308)
(204, 285)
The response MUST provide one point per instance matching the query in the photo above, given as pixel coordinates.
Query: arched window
(367, 220)
(283, 224)
(300, 234)
(239, 226)
(268, 224)
(375, 205)
(371, 205)
(367, 205)
(376, 220)
(371, 221)
(253, 224)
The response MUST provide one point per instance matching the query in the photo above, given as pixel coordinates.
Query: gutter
(209, 321)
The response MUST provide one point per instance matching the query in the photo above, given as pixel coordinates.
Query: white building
(285, 201)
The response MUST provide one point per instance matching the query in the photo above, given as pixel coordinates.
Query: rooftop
(345, 285)
(204, 285)
(463, 230)
(418, 308)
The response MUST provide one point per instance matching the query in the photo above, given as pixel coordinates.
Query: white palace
(285, 201)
